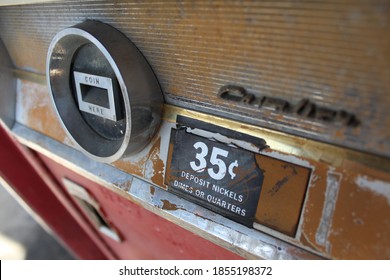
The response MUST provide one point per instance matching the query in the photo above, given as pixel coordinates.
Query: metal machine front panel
(333, 53)
(295, 90)
(342, 204)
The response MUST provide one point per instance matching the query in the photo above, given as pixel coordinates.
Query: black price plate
(222, 178)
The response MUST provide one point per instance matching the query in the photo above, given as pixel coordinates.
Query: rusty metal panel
(346, 212)
(343, 214)
(282, 195)
(248, 181)
(34, 109)
(358, 215)
(275, 54)
(333, 53)
(247, 242)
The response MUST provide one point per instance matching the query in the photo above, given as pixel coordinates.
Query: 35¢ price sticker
(222, 178)
(217, 159)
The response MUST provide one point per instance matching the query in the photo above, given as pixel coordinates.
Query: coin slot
(95, 95)
(88, 63)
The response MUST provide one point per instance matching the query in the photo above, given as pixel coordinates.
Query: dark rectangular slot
(95, 95)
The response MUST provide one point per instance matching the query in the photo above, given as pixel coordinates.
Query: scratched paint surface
(283, 193)
(345, 220)
(340, 218)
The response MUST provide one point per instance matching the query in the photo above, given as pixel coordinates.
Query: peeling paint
(285, 157)
(378, 187)
(268, 250)
(129, 166)
(223, 139)
(212, 226)
(154, 166)
(34, 109)
(126, 186)
(331, 193)
(362, 201)
(167, 205)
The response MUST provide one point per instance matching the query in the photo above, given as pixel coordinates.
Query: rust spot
(157, 163)
(149, 166)
(169, 206)
(152, 190)
(131, 167)
(339, 134)
(39, 111)
(279, 184)
(361, 220)
(282, 211)
(358, 221)
(169, 159)
(126, 186)
(360, 225)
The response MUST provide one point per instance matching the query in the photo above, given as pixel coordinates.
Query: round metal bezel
(141, 93)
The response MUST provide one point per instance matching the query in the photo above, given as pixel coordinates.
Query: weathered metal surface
(333, 53)
(35, 109)
(245, 174)
(248, 243)
(304, 108)
(23, 2)
(345, 187)
(283, 194)
(346, 213)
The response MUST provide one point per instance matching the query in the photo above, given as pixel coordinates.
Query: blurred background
(21, 237)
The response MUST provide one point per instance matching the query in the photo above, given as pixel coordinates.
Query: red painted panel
(146, 235)
(32, 182)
